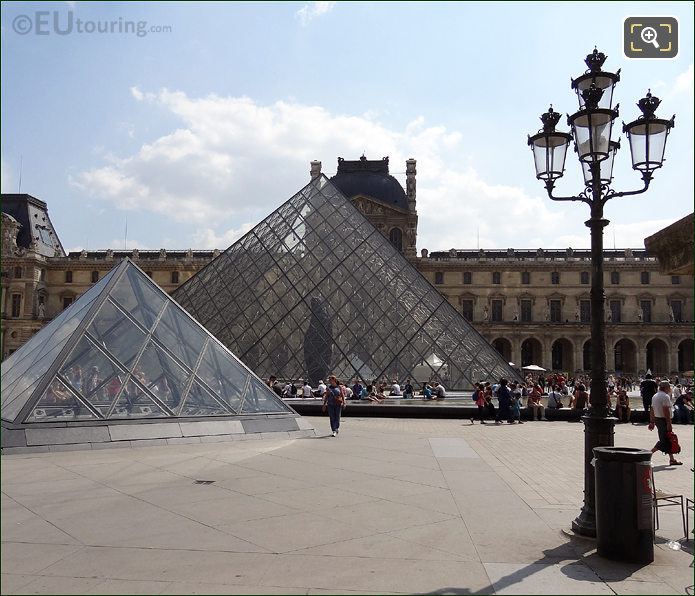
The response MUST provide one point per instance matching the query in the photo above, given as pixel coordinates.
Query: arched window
(17, 272)
(396, 238)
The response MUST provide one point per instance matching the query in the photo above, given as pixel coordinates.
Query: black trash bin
(624, 522)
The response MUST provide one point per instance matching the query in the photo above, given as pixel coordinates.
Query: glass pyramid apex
(315, 289)
(125, 350)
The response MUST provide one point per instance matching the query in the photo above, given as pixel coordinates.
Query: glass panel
(17, 394)
(259, 398)
(135, 403)
(54, 334)
(91, 374)
(138, 297)
(223, 375)
(201, 403)
(59, 403)
(180, 335)
(116, 334)
(162, 376)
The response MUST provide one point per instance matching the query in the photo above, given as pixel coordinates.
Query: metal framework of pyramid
(126, 352)
(316, 289)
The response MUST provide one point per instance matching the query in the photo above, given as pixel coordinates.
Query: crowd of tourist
(502, 400)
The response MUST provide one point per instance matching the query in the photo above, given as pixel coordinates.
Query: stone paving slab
(391, 506)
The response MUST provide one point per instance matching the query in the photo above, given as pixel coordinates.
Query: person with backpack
(647, 389)
(479, 399)
(334, 401)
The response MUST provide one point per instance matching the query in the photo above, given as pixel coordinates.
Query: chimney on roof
(410, 190)
(315, 169)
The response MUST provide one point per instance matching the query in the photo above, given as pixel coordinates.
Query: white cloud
(684, 82)
(208, 238)
(232, 161)
(310, 11)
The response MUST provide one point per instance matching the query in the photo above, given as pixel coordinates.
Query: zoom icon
(650, 37)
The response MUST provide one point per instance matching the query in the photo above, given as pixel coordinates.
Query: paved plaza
(389, 506)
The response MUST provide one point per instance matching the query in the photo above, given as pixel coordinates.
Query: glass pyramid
(126, 350)
(316, 289)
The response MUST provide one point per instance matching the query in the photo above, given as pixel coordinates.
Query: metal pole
(598, 425)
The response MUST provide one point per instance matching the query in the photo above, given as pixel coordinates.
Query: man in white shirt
(395, 388)
(439, 391)
(306, 390)
(321, 388)
(660, 416)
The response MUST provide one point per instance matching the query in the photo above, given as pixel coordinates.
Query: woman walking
(334, 400)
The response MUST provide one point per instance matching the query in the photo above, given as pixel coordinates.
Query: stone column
(673, 356)
(578, 353)
(516, 351)
(547, 344)
(315, 171)
(641, 357)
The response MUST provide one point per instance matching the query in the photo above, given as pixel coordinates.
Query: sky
(182, 125)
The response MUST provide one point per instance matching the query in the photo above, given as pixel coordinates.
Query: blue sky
(195, 133)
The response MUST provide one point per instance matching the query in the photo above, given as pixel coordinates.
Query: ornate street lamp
(592, 127)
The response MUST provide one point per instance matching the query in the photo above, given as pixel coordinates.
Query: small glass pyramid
(316, 289)
(126, 350)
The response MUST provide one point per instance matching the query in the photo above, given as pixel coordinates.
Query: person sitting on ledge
(426, 391)
(554, 398)
(622, 405)
(372, 393)
(536, 409)
(408, 390)
(683, 410)
(439, 391)
(579, 398)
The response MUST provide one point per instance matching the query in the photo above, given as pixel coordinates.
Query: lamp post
(591, 131)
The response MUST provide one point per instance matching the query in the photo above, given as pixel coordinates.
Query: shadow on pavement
(602, 569)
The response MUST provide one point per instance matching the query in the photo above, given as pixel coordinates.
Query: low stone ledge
(213, 427)
(67, 435)
(131, 432)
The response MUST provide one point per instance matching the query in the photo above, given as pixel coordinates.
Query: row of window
(554, 314)
(584, 277)
(95, 276)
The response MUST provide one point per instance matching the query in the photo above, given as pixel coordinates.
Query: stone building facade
(532, 305)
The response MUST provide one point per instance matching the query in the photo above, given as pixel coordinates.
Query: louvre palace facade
(531, 305)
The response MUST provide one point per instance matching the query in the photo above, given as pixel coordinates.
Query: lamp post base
(599, 431)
